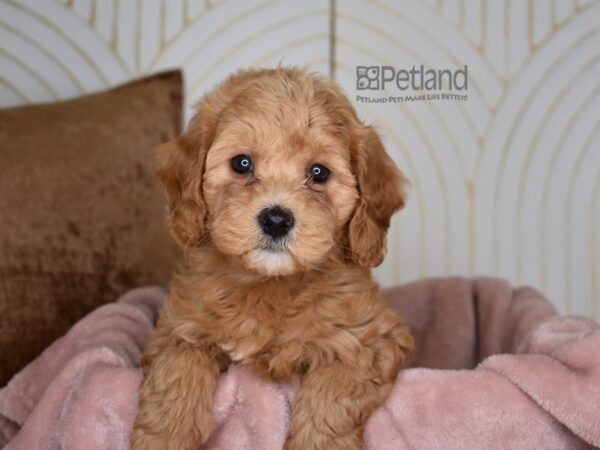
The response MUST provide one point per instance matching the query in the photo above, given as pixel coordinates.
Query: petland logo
(417, 79)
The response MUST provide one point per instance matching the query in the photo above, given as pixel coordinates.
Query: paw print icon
(367, 77)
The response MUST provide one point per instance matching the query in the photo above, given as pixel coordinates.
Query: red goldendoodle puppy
(281, 199)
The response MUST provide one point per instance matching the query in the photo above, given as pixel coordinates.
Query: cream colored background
(505, 184)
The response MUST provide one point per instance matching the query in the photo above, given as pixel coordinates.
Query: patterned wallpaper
(506, 183)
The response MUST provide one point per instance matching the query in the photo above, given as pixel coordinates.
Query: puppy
(281, 199)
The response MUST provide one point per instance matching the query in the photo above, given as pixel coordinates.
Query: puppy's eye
(241, 163)
(318, 173)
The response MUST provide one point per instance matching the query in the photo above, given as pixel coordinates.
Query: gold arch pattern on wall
(506, 184)
(535, 137)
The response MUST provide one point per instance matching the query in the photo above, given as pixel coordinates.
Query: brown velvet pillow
(82, 217)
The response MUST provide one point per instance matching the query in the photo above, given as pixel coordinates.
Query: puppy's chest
(280, 329)
(259, 330)
(254, 337)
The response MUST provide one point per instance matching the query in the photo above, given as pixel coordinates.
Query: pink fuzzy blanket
(495, 368)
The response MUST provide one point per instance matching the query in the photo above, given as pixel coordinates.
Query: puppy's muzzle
(276, 221)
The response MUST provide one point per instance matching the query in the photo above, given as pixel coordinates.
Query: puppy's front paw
(159, 426)
(175, 405)
(145, 441)
(141, 440)
(311, 439)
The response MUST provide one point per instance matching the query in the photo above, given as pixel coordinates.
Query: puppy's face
(276, 171)
(278, 182)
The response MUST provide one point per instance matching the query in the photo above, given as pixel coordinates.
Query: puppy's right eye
(241, 163)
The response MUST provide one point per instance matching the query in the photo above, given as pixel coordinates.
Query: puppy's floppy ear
(180, 165)
(381, 193)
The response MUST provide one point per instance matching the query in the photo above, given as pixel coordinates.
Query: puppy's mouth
(272, 258)
(274, 246)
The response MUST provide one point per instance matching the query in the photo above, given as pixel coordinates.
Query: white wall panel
(505, 183)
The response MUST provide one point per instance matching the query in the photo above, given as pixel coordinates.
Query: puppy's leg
(176, 396)
(335, 400)
(331, 409)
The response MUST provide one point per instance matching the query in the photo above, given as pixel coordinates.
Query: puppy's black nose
(276, 221)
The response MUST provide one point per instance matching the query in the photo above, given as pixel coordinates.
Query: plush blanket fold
(495, 368)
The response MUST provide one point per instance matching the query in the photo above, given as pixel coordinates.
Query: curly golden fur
(303, 309)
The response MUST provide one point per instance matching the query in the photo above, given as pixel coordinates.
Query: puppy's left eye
(318, 173)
